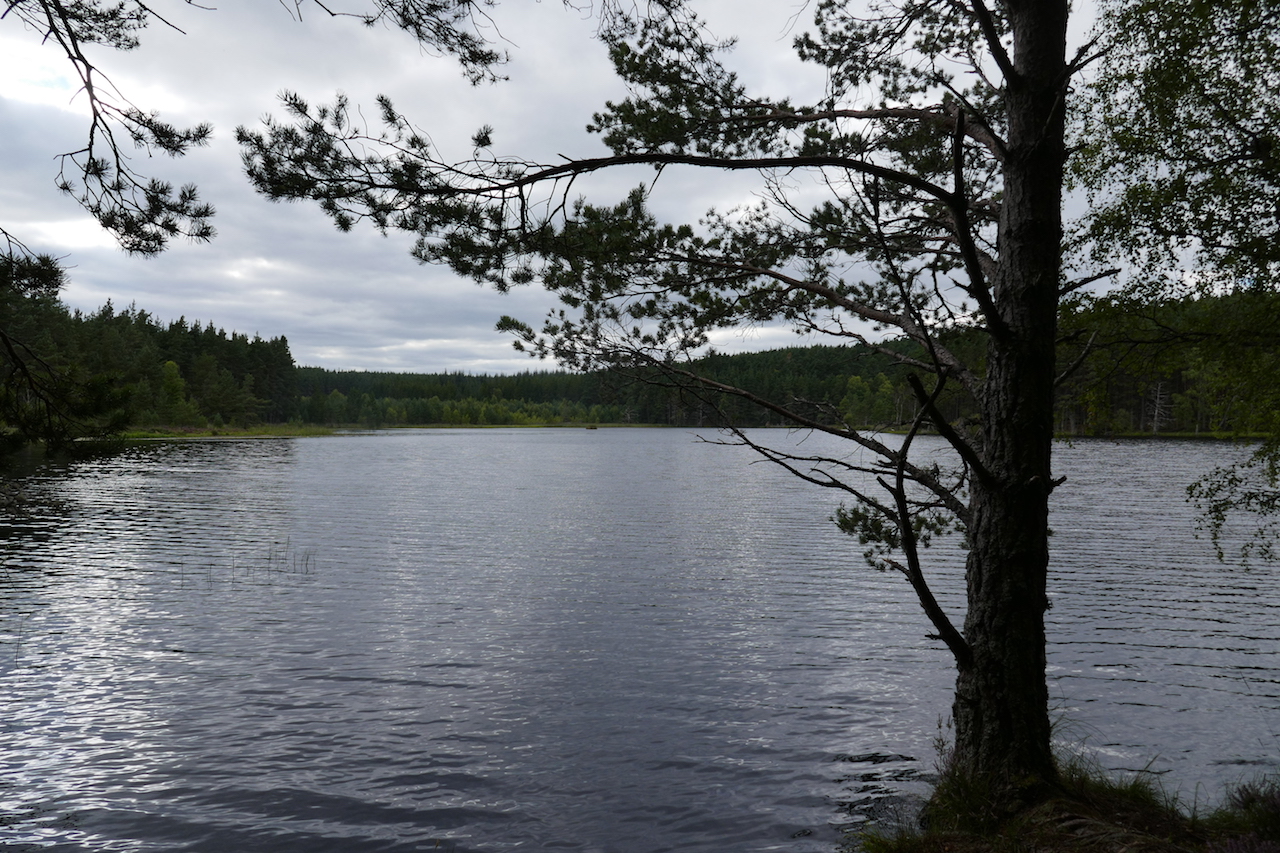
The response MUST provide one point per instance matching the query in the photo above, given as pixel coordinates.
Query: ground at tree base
(1089, 812)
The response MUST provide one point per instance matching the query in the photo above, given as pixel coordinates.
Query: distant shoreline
(313, 430)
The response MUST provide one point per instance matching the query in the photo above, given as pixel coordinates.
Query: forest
(1176, 367)
(66, 375)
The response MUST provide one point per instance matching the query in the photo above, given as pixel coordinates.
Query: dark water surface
(612, 640)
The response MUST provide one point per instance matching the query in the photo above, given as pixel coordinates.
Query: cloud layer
(345, 301)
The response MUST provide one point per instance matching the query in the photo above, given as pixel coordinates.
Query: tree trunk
(1001, 706)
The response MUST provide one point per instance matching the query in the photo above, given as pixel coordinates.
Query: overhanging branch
(946, 496)
(929, 407)
(910, 548)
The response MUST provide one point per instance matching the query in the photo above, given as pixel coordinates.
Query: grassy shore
(1090, 812)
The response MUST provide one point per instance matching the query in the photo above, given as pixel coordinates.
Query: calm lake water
(609, 640)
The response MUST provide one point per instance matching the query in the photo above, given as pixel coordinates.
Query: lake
(584, 640)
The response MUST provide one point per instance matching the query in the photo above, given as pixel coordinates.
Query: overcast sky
(345, 301)
(356, 300)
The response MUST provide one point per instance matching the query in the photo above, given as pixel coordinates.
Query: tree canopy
(1181, 157)
(144, 213)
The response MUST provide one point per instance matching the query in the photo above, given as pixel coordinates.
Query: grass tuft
(1088, 811)
(1249, 820)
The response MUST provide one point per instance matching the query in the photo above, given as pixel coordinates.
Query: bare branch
(1076, 362)
(929, 408)
(977, 288)
(1072, 286)
(983, 16)
(925, 478)
(946, 630)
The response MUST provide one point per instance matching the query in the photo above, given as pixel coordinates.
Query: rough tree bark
(1000, 711)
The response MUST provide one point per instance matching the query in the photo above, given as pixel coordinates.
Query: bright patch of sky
(32, 74)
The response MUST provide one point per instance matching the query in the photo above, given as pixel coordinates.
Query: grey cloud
(353, 300)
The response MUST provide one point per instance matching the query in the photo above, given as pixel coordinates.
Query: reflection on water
(614, 640)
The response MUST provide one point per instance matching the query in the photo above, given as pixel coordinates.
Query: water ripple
(600, 641)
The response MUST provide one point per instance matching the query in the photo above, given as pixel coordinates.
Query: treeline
(1127, 366)
(373, 399)
(550, 397)
(815, 379)
(1187, 366)
(1191, 366)
(66, 374)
